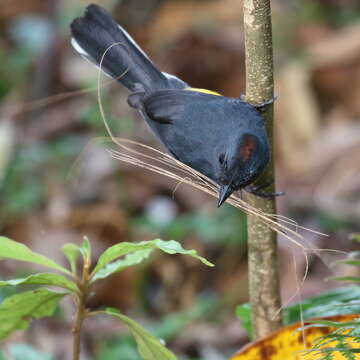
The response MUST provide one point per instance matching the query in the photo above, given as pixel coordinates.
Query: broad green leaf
(149, 347)
(119, 250)
(85, 248)
(340, 301)
(131, 259)
(43, 279)
(18, 310)
(26, 352)
(72, 252)
(10, 249)
(167, 328)
(124, 248)
(174, 247)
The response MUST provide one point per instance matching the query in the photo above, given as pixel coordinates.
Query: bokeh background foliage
(58, 183)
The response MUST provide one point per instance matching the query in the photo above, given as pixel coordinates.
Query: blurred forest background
(58, 182)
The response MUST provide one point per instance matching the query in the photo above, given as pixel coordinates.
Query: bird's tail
(98, 38)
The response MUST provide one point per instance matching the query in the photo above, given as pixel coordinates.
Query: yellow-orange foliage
(290, 344)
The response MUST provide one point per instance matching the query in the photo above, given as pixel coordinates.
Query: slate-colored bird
(223, 138)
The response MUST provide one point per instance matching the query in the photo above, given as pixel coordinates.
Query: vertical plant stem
(263, 268)
(81, 311)
(80, 316)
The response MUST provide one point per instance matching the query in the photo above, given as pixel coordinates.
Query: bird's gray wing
(170, 106)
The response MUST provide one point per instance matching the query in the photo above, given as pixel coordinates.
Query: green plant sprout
(17, 311)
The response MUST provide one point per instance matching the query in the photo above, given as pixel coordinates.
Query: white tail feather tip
(78, 48)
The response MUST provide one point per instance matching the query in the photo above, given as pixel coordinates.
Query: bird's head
(240, 163)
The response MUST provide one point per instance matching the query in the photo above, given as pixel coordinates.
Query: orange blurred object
(289, 343)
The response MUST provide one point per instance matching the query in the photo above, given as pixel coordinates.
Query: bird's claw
(259, 191)
(262, 106)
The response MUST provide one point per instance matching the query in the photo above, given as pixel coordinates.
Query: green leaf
(85, 248)
(131, 259)
(10, 249)
(340, 301)
(118, 250)
(25, 352)
(349, 262)
(243, 312)
(124, 248)
(72, 252)
(174, 247)
(149, 347)
(43, 279)
(166, 328)
(18, 310)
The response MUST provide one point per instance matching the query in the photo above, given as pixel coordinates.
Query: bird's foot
(258, 190)
(262, 106)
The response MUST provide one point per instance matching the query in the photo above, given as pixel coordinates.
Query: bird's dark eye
(221, 158)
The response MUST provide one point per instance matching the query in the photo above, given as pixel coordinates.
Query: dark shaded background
(58, 183)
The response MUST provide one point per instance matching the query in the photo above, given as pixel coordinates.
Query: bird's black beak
(224, 192)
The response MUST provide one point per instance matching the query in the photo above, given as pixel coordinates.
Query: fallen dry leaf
(290, 344)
